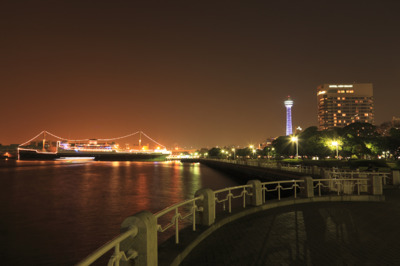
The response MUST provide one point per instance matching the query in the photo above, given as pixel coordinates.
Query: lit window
(366, 114)
(338, 98)
(343, 114)
(339, 111)
(339, 104)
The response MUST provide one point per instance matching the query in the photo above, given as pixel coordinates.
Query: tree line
(357, 141)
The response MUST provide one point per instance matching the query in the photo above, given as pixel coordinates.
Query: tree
(243, 152)
(214, 153)
(283, 146)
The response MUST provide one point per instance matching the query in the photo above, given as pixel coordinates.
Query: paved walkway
(356, 233)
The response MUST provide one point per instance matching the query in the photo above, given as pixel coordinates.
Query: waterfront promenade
(329, 233)
(342, 218)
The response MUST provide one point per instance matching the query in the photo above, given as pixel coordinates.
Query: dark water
(56, 213)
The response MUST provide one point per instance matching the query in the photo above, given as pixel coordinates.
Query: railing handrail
(282, 182)
(176, 205)
(341, 179)
(231, 188)
(108, 246)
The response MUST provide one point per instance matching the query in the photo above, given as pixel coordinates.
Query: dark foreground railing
(138, 242)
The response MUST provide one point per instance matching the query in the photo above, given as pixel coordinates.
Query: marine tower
(288, 104)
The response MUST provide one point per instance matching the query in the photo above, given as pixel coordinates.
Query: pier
(216, 215)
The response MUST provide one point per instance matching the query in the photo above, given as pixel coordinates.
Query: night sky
(188, 73)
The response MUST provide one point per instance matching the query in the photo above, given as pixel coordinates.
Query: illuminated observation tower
(288, 104)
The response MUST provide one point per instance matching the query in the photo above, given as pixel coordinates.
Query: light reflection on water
(59, 212)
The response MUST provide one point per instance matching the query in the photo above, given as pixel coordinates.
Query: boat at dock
(32, 154)
(98, 150)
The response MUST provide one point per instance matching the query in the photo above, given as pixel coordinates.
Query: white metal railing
(294, 186)
(186, 210)
(340, 174)
(343, 185)
(331, 172)
(271, 165)
(244, 190)
(113, 244)
(178, 216)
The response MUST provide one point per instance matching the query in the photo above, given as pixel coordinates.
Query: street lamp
(296, 139)
(252, 149)
(336, 144)
(234, 156)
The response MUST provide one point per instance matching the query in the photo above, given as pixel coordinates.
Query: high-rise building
(342, 104)
(288, 104)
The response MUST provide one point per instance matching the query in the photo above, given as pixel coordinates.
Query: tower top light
(289, 102)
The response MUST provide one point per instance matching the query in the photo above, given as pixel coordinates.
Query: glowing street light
(296, 139)
(252, 149)
(335, 143)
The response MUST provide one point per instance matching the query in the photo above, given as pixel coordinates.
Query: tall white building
(342, 104)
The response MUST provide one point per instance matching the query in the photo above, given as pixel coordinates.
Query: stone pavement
(332, 233)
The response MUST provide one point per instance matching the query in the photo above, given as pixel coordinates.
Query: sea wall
(245, 173)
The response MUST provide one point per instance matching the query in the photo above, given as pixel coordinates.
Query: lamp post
(296, 139)
(336, 144)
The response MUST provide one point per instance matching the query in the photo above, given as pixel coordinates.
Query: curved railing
(244, 190)
(342, 186)
(178, 215)
(387, 177)
(279, 187)
(113, 244)
(204, 204)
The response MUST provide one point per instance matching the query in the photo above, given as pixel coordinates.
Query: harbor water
(56, 213)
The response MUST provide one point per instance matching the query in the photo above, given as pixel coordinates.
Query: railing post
(256, 190)
(396, 177)
(308, 189)
(377, 187)
(145, 242)
(207, 216)
(326, 174)
(315, 170)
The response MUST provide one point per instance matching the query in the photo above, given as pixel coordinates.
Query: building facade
(342, 104)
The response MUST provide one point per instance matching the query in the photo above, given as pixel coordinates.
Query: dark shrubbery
(349, 164)
(354, 164)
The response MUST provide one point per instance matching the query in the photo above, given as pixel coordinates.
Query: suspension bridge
(48, 146)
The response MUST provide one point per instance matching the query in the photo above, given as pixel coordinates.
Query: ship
(91, 149)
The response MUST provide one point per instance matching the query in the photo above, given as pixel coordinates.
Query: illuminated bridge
(47, 145)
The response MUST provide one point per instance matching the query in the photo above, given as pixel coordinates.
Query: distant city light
(340, 86)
